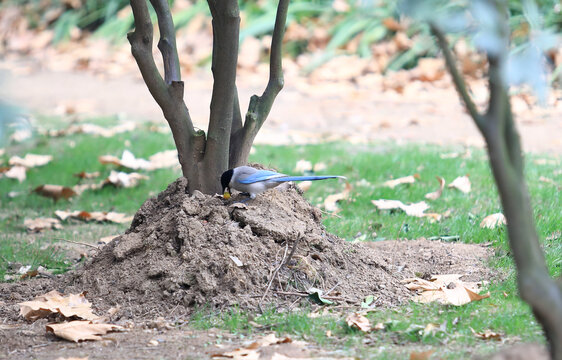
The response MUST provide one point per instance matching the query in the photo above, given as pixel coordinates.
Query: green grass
(366, 167)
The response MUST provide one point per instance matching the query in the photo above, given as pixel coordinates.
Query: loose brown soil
(181, 253)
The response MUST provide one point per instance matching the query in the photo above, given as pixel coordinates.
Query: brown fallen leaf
(402, 180)
(254, 350)
(391, 24)
(358, 321)
(487, 335)
(40, 224)
(436, 194)
(86, 175)
(80, 330)
(80, 188)
(55, 192)
(107, 239)
(421, 355)
(415, 209)
(54, 302)
(330, 202)
(93, 129)
(99, 216)
(304, 185)
(493, 221)
(30, 160)
(461, 183)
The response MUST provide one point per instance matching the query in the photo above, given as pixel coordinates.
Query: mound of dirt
(184, 251)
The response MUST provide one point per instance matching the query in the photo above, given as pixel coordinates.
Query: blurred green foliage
(365, 22)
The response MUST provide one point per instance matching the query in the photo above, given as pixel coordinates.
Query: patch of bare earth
(186, 251)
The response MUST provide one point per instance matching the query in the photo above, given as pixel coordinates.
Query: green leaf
(316, 295)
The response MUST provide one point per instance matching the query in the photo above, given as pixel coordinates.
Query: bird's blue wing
(306, 178)
(260, 175)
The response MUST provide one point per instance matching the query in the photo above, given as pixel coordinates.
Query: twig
(273, 275)
(78, 243)
(332, 289)
(303, 294)
(292, 252)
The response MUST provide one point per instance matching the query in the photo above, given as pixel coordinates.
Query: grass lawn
(366, 167)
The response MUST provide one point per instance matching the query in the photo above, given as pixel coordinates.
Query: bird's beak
(226, 195)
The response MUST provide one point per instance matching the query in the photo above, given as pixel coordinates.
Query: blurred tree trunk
(204, 157)
(497, 126)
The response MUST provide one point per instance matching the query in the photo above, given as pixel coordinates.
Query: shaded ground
(306, 111)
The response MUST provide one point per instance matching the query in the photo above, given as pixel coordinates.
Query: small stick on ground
(284, 261)
(79, 243)
(273, 276)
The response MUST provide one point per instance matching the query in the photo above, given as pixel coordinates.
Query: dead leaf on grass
(253, 351)
(128, 160)
(421, 355)
(123, 179)
(55, 192)
(107, 239)
(461, 183)
(415, 209)
(80, 188)
(493, 221)
(80, 330)
(487, 335)
(40, 224)
(303, 166)
(436, 194)
(86, 175)
(330, 203)
(92, 129)
(53, 302)
(99, 216)
(304, 185)
(163, 159)
(15, 172)
(402, 180)
(30, 160)
(358, 321)
(445, 289)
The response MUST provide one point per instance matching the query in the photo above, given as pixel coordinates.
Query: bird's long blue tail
(305, 178)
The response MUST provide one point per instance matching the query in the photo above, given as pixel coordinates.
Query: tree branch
(226, 28)
(167, 43)
(260, 106)
(168, 94)
(458, 80)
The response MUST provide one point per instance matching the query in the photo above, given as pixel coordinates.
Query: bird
(252, 181)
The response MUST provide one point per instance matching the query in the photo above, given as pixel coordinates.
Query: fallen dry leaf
(318, 167)
(403, 180)
(436, 194)
(358, 321)
(55, 192)
(421, 355)
(80, 330)
(330, 202)
(164, 159)
(86, 175)
(54, 302)
(304, 185)
(16, 172)
(30, 160)
(461, 183)
(92, 129)
(415, 209)
(99, 216)
(123, 179)
(303, 166)
(107, 239)
(493, 221)
(445, 289)
(128, 160)
(40, 224)
(253, 351)
(487, 335)
(80, 188)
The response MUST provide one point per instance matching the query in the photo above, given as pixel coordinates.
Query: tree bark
(260, 106)
(167, 92)
(536, 287)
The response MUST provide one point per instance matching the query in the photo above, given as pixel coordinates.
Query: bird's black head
(225, 179)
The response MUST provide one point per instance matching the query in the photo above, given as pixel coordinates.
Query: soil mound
(184, 251)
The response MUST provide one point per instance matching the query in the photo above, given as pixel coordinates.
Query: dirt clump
(185, 251)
